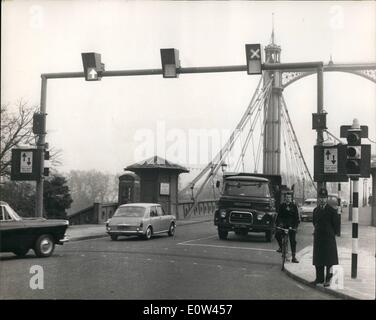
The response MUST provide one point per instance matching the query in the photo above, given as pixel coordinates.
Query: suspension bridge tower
(272, 112)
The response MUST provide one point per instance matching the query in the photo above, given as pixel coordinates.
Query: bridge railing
(204, 208)
(98, 213)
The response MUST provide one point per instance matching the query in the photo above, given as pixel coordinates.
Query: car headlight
(222, 213)
(260, 216)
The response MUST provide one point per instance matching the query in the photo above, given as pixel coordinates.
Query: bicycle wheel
(284, 251)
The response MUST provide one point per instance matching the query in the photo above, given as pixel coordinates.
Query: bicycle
(285, 242)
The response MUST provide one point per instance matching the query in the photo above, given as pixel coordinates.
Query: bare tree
(16, 130)
(91, 186)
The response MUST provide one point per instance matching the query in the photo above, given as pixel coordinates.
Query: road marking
(197, 239)
(219, 266)
(228, 247)
(299, 286)
(195, 263)
(172, 261)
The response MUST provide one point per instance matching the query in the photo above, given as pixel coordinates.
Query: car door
(165, 220)
(12, 232)
(155, 219)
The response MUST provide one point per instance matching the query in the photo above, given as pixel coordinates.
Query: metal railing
(203, 208)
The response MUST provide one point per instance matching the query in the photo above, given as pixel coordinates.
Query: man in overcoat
(326, 223)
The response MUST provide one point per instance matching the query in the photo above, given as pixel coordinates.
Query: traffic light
(39, 123)
(253, 55)
(319, 121)
(93, 67)
(46, 170)
(170, 62)
(354, 151)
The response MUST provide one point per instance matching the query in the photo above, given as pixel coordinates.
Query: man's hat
(323, 193)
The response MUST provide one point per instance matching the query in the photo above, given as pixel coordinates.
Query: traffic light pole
(355, 219)
(339, 210)
(41, 143)
(320, 109)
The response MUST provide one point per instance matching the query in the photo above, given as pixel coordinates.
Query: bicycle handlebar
(286, 229)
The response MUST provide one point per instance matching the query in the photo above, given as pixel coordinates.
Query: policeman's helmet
(323, 193)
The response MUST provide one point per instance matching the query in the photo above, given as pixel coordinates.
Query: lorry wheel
(268, 235)
(44, 246)
(222, 234)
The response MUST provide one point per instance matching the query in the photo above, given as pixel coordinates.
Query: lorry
(248, 203)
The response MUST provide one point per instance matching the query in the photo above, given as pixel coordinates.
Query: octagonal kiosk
(159, 182)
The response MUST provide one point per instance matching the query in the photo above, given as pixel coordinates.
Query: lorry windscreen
(246, 189)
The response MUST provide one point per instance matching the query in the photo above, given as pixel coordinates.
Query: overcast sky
(97, 124)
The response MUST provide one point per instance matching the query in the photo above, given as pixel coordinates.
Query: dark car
(19, 235)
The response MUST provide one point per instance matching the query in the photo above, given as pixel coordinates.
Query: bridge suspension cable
(301, 165)
(212, 168)
(223, 152)
(251, 131)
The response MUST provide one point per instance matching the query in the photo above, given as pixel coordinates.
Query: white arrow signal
(92, 73)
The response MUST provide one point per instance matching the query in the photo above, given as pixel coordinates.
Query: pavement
(92, 231)
(342, 285)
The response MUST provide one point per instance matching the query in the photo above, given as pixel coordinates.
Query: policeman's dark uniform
(326, 222)
(288, 217)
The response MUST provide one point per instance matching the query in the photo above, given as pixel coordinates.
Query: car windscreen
(309, 203)
(130, 211)
(246, 189)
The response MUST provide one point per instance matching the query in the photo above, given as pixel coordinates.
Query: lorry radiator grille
(241, 217)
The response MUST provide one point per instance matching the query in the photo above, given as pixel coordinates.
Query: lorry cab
(248, 203)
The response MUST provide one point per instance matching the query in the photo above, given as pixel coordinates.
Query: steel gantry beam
(365, 70)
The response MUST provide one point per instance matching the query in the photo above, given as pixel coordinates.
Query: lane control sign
(330, 160)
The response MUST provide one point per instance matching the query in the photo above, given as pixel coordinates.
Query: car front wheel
(114, 237)
(44, 246)
(171, 230)
(148, 233)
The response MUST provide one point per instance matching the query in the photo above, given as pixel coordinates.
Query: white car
(140, 219)
(306, 210)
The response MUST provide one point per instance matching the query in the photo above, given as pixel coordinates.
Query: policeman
(288, 217)
(326, 224)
